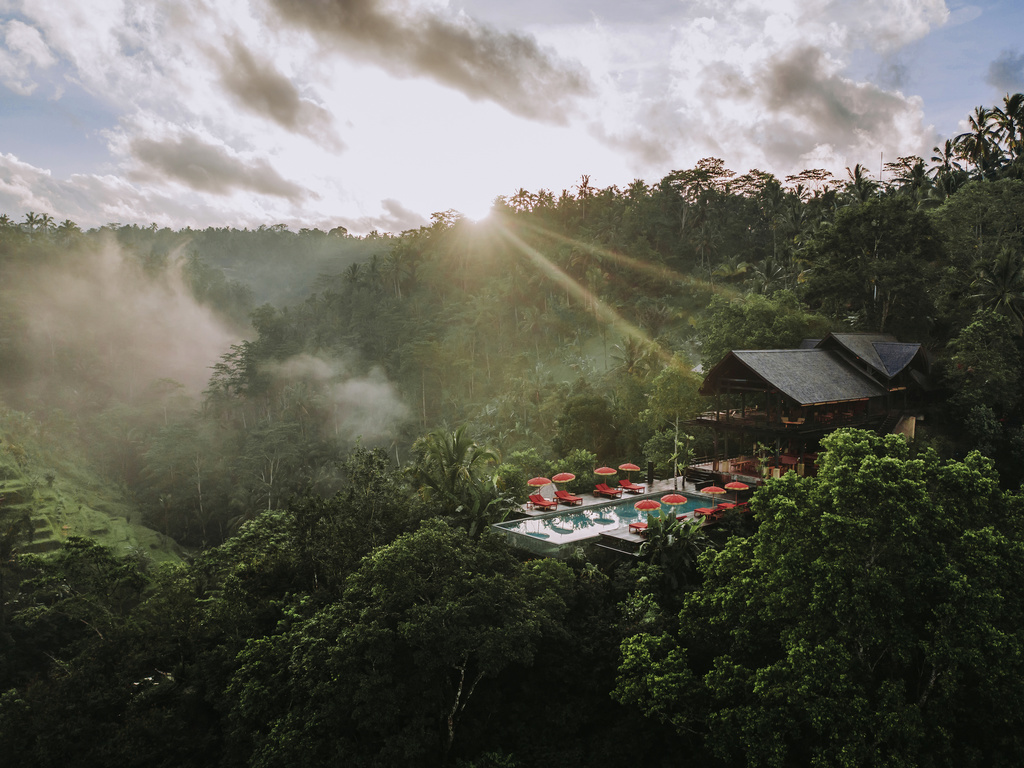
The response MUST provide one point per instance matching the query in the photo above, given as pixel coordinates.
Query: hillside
(49, 491)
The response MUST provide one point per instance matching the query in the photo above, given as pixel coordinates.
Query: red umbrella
(737, 486)
(647, 505)
(538, 482)
(714, 490)
(674, 499)
(605, 471)
(564, 477)
(627, 468)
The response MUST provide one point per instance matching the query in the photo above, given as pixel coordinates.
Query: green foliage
(779, 321)
(585, 422)
(455, 476)
(579, 462)
(858, 625)
(984, 367)
(872, 265)
(387, 674)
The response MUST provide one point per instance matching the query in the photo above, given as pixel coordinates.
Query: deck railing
(759, 419)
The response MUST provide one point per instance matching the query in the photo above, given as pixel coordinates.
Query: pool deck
(657, 489)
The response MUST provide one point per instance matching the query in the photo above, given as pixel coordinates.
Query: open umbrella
(647, 505)
(538, 482)
(714, 490)
(674, 500)
(605, 471)
(564, 477)
(737, 486)
(627, 468)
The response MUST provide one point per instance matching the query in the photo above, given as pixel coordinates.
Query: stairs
(890, 423)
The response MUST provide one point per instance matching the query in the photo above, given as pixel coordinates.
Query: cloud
(24, 48)
(396, 218)
(1006, 72)
(801, 85)
(761, 84)
(508, 68)
(210, 167)
(262, 89)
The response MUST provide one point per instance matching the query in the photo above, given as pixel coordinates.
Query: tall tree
(872, 620)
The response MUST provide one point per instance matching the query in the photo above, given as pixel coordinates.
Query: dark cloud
(1007, 72)
(832, 108)
(482, 62)
(397, 218)
(259, 87)
(210, 168)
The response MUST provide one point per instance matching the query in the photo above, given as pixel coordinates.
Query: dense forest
(246, 479)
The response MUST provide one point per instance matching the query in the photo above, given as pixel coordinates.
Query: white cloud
(24, 50)
(228, 116)
(759, 83)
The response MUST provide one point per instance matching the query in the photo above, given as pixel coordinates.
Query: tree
(978, 144)
(873, 265)
(585, 422)
(984, 367)
(1000, 286)
(872, 620)
(1009, 122)
(861, 187)
(385, 676)
(780, 321)
(456, 474)
(673, 399)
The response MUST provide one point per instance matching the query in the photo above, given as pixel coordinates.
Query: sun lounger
(567, 498)
(640, 528)
(630, 486)
(602, 489)
(538, 501)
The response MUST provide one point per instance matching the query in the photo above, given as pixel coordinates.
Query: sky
(374, 114)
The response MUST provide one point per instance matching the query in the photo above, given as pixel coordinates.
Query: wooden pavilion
(789, 399)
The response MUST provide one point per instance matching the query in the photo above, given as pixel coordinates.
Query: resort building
(772, 406)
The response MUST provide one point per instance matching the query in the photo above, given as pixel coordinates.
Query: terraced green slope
(49, 492)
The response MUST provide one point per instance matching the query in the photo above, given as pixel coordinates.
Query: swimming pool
(544, 535)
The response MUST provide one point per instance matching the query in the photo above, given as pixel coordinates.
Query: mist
(97, 325)
(364, 406)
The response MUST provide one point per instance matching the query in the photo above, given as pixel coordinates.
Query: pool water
(566, 527)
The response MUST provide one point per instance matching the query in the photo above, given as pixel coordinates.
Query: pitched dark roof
(895, 356)
(882, 351)
(809, 375)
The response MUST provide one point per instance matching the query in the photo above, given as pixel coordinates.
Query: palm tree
(1000, 286)
(68, 230)
(674, 546)
(585, 192)
(633, 357)
(353, 276)
(452, 470)
(861, 187)
(31, 221)
(522, 201)
(944, 160)
(978, 145)
(1009, 122)
(769, 276)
